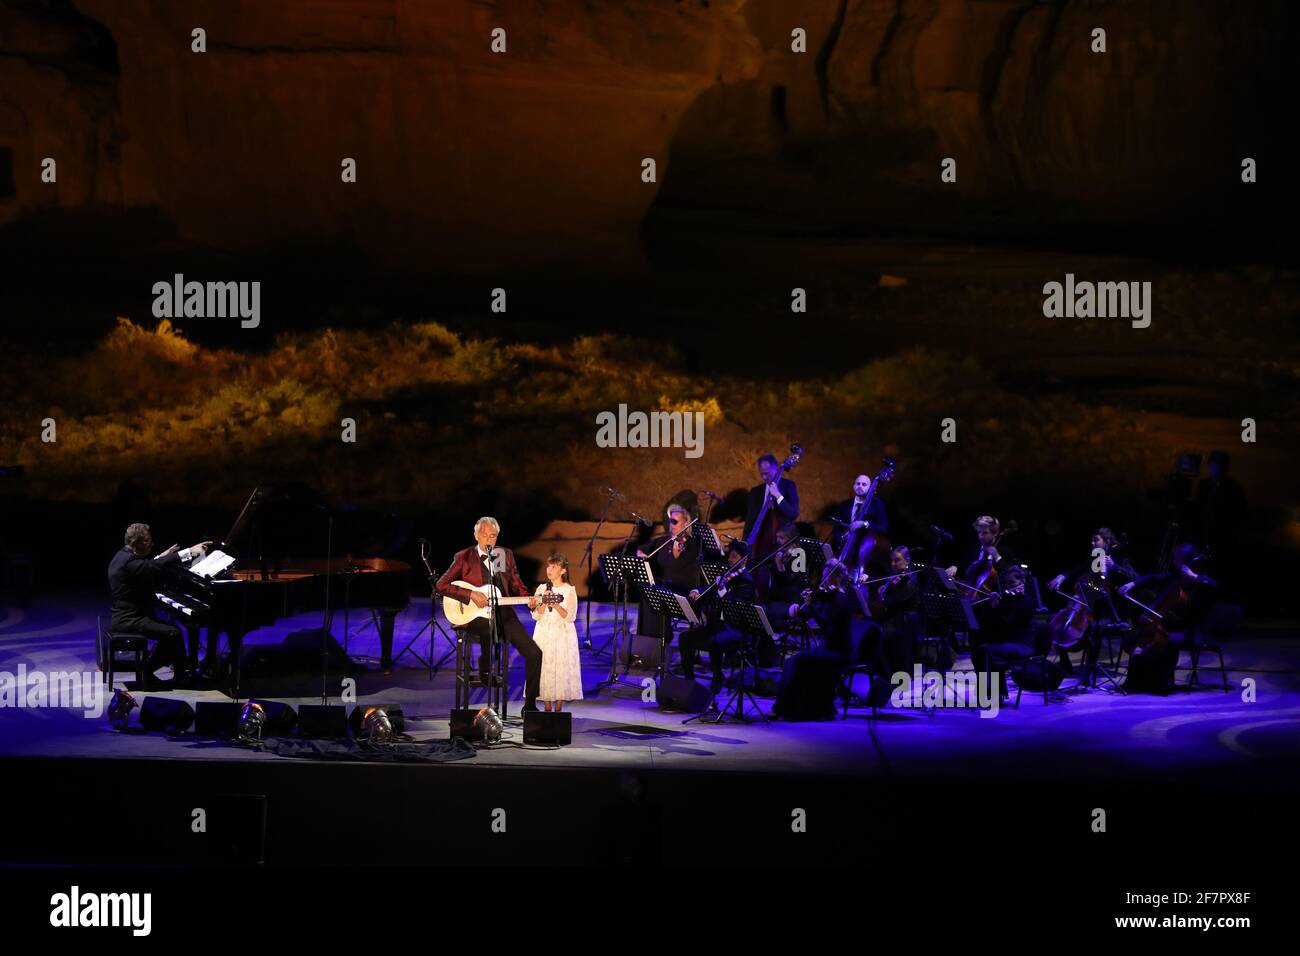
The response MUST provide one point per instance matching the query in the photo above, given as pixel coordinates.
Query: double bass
(762, 536)
(865, 547)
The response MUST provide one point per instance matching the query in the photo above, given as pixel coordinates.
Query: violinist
(714, 635)
(787, 584)
(831, 603)
(890, 645)
(986, 553)
(1180, 600)
(676, 565)
(1008, 625)
(1098, 589)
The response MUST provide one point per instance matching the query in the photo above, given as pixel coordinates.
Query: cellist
(1181, 597)
(1103, 587)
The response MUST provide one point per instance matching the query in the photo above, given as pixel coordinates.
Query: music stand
(944, 612)
(751, 621)
(676, 607)
(711, 545)
(1092, 638)
(621, 571)
(711, 570)
(817, 553)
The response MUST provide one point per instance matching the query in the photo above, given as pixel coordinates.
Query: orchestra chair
(1220, 625)
(861, 667)
(109, 644)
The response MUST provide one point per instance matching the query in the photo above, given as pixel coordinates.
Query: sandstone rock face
(466, 158)
(1044, 130)
(58, 99)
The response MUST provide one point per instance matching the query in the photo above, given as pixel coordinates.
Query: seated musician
(133, 580)
(832, 606)
(850, 517)
(474, 566)
(1152, 671)
(714, 635)
(676, 566)
(889, 644)
(1008, 626)
(985, 553)
(787, 584)
(1102, 591)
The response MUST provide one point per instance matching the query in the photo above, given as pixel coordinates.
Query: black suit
(788, 508)
(714, 635)
(133, 580)
(876, 516)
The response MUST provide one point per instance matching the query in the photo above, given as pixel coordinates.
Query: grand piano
(282, 542)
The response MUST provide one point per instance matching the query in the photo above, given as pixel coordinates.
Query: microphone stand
(586, 561)
(496, 648)
(325, 624)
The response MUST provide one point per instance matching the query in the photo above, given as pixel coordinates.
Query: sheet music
(212, 565)
(687, 610)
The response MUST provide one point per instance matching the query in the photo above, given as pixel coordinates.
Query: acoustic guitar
(460, 613)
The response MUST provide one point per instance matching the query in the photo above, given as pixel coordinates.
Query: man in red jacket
(486, 563)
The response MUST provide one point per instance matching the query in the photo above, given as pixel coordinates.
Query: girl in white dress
(557, 636)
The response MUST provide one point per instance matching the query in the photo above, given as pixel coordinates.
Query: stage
(635, 769)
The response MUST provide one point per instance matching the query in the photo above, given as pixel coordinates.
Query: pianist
(133, 579)
(473, 566)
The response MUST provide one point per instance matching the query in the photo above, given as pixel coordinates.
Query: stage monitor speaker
(322, 721)
(217, 718)
(394, 712)
(683, 695)
(163, 713)
(280, 717)
(645, 651)
(548, 729)
(808, 685)
(462, 724)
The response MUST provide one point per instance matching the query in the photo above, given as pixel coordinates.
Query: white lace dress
(558, 638)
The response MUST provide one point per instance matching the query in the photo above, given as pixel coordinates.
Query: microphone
(710, 495)
(936, 530)
(614, 494)
(642, 520)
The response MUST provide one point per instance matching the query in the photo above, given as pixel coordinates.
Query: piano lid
(287, 524)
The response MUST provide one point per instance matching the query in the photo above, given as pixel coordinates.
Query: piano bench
(109, 644)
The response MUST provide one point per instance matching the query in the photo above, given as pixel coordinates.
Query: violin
(987, 581)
